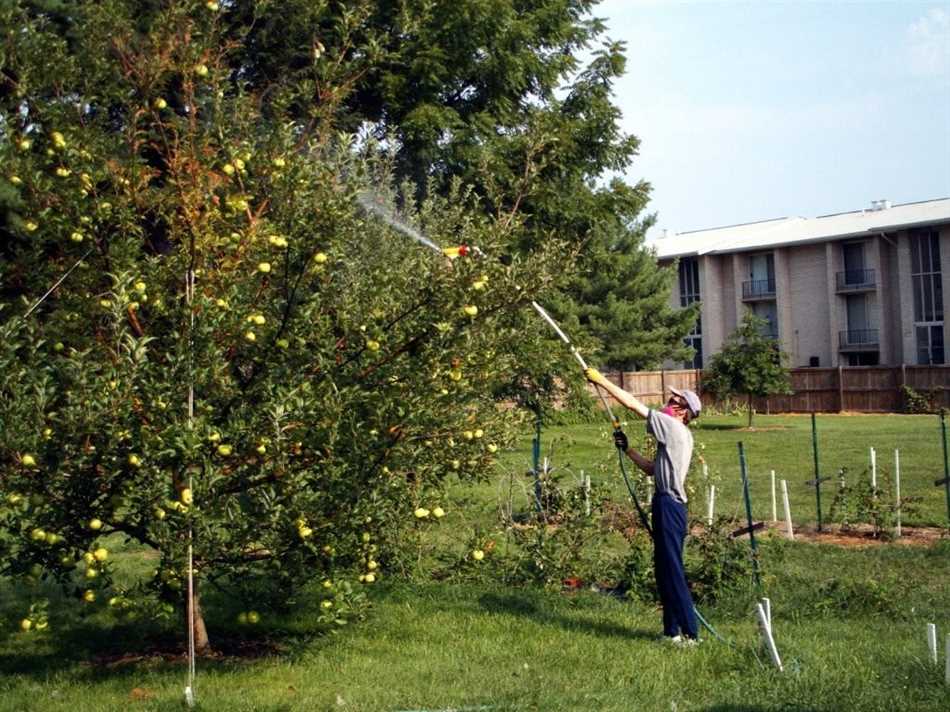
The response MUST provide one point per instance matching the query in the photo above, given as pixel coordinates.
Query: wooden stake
(788, 511)
(946, 674)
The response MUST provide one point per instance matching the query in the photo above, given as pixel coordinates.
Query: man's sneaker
(673, 640)
(684, 642)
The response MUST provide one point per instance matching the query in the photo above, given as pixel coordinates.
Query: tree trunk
(202, 644)
(750, 410)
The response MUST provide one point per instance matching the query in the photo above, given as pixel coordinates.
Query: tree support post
(536, 458)
(818, 478)
(748, 512)
(946, 463)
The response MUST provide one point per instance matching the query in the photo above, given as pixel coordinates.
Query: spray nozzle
(459, 251)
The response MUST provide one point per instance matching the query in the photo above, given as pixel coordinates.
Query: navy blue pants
(669, 533)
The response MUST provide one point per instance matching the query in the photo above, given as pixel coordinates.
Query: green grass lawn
(849, 623)
(781, 443)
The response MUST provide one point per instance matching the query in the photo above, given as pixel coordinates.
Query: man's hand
(594, 376)
(620, 440)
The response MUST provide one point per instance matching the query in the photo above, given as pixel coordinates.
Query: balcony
(855, 280)
(858, 340)
(758, 289)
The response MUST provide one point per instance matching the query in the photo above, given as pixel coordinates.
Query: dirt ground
(860, 536)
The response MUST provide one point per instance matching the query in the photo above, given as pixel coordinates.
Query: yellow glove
(594, 376)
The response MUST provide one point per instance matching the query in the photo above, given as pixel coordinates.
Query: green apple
(242, 618)
(253, 617)
(283, 344)
(36, 571)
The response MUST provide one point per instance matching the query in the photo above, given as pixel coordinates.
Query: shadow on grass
(514, 605)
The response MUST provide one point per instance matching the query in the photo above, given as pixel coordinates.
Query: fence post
(840, 388)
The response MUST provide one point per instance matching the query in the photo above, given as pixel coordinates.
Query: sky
(751, 111)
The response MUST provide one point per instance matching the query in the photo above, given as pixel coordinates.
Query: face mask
(668, 410)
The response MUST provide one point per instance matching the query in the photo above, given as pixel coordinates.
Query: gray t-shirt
(673, 452)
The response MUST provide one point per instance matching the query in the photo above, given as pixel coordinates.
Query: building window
(926, 282)
(689, 293)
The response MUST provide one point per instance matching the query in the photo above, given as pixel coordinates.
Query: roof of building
(781, 232)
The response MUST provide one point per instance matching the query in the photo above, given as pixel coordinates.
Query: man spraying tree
(668, 469)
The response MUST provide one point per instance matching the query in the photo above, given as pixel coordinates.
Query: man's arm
(624, 398)
(641, 461)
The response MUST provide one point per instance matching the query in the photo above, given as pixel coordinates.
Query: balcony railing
(759, 289)
(855, 280)
(859, 340)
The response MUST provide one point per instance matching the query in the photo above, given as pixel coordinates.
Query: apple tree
(206, 342)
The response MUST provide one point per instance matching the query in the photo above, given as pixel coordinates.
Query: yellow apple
(140, 287)
(327, 583)
(135, 460)
(326, 605)
(481, 282)
(372, 345)
(242, 618)
(76, 236)
(371, 565)
(470, 309)
(38, 535)
(89, 596)
(201, 70)
(221, 303)
(101, 554)
(30, 226)
(91, 573)
(250, 336)
(261, 449)
(228, 169)
(304, 532)
(224, 450)
(478, 554)
(28, 460)
(95, 524)
(63, 172)
(159, 513)
(16, 180)
(468, 434)
(186, 497)
(26, 624)
(438, 512)
(89, 558)
(59, 141)
(36, 571)
(25, 144)
(370, 578)
(455, 374)
(14, 498)
(479, 432)
(263, 267)
(53, 539)
(456, 464)
(159, 103)
(492, 447)
(421, 513)
(320, 258)
(213, 6)
(253, 617)
(279, 162)
(214, 437)
(282, 343)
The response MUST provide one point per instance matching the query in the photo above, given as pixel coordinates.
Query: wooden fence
(865, 389)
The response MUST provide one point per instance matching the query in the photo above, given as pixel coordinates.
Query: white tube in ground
(712, 504)
(947, 657)
(897, 490)
(932, 642)
(767, 605)
(873, 469)
(774, 508)
(586, 479)
(788, 511)
(766, 630)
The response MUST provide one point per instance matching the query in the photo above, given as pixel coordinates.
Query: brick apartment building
(863, 288)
